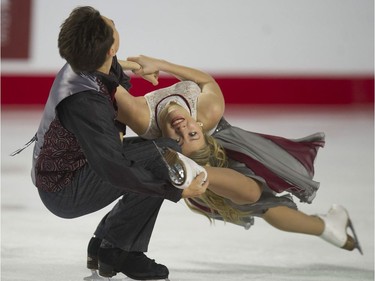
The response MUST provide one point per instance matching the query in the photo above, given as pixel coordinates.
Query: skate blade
(129, 279)
(96, 277)
(171, 161)
(169, 156)
(356, 241)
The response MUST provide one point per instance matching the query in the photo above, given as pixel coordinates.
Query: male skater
(80, 164)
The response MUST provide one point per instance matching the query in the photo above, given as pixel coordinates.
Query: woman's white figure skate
(336, 223)
(182, 170)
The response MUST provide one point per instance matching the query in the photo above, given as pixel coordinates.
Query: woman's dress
(280, 165)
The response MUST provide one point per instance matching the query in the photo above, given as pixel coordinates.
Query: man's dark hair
(85, 39)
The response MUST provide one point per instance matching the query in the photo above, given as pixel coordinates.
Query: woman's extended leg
(291, 220)
(331, 227)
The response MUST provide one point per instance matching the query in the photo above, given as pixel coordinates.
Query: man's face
(116, 36)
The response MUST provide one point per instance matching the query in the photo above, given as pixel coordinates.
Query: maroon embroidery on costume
(102, 87)
(110, 95)
(59, 158)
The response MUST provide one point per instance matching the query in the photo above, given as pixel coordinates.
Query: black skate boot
(135, 265)
(92, 253)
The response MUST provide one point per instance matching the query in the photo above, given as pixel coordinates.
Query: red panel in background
(33, 90)
(15, 28)
(298, 90)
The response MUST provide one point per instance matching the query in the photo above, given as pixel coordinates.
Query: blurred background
(288, 68)
(261, 52)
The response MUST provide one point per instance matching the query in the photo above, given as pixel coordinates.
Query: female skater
(246, 170)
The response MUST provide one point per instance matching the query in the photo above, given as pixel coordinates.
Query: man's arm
(90, 117)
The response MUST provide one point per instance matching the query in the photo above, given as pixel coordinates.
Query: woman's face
(176, 123)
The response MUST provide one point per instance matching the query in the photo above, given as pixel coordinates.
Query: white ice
(36, 245)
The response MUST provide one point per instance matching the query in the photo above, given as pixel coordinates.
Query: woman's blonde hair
(213, 154)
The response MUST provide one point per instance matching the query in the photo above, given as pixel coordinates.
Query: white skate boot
(335, 229)
(182, 170)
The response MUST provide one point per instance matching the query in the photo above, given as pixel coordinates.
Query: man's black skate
(135, 265)
(92, 253)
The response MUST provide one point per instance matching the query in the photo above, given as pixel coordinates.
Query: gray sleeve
(91, 118)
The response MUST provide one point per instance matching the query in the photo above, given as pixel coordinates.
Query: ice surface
(36, 245)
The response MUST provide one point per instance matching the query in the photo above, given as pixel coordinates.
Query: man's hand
(138, 70)
(149, 68)
(129, 65)
(196, 188)
(148, 65)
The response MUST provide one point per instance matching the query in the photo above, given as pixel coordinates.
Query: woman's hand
(197, 187)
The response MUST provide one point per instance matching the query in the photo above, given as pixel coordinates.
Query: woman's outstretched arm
(211, 103)
(132, 111)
